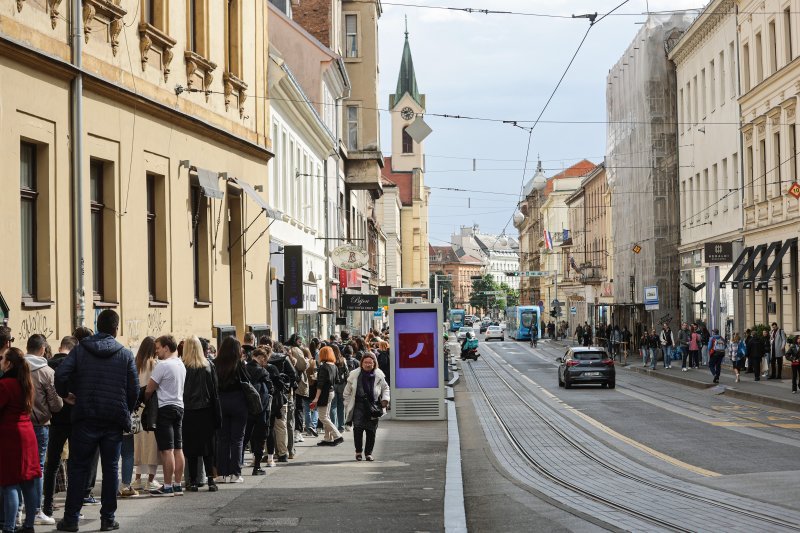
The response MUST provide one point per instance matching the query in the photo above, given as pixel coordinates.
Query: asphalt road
(742, 448)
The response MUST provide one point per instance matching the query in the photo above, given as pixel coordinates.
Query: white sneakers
(298, 437)
(43, 520)
(235, 479)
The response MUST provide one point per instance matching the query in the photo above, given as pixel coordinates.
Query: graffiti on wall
(35, 323)
(155, 323)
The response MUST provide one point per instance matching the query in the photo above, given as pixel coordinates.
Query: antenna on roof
(406, 26)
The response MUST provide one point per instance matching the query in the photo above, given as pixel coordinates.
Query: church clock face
(407, 113)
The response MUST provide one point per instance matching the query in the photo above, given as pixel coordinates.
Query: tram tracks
(689, 500)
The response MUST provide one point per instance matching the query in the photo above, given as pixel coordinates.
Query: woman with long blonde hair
(201, 415)
(145, 450)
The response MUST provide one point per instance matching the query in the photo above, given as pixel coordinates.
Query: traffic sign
(794, 190)
(490, 293)
(556, 303)
(529, 273)
(573, 310)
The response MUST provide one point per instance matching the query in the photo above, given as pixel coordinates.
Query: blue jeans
(42, 437)
(127, 459)
(337, 410)
(309, 415)
(715, 365)
(11, 496)
(653, 357)
(85, 438)
(667, 356)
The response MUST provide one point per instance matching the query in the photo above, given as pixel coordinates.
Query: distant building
(455, 291)
(498, 253)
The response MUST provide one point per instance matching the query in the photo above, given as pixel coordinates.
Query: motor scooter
(470, 353)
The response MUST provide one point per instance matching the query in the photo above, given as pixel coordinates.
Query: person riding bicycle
(534, 336)
(470, 343)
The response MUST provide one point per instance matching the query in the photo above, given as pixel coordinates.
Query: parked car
(495, 332)
(462, 333)
(584, 366)
(484, 325)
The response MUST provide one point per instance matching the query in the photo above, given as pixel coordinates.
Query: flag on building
(548, 240)
(574, 266)
(565, 235)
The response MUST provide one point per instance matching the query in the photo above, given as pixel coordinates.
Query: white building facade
(709, 158)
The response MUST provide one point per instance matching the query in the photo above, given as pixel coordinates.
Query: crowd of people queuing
(181, 405)
(695, 346)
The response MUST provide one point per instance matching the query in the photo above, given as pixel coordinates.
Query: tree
(512, 295)
(478, 297)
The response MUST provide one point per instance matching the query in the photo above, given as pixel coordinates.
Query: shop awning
(207, 181)
(769, 258)
(271, 212)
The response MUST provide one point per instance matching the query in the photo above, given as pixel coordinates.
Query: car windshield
(588, 356)
(465, 330)
(494, 328)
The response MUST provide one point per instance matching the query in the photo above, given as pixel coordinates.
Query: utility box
(223, 332)
(416, 350)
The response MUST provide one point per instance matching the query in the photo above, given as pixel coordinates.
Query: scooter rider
(469, 343)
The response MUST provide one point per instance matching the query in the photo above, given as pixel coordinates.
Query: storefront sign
(293, 277)
(719, 252)
(354, 279)
(349, 257)
(359, 302)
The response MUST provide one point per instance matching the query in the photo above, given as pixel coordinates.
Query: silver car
(462, 333)
(495, 332)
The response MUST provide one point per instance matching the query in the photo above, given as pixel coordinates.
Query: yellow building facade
(173, 145)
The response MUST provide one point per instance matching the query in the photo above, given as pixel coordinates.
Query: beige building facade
(766, 272)
(166, 179)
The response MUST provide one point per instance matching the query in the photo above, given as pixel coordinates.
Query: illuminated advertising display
(415, 340)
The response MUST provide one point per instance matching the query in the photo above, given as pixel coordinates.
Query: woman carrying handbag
(366, 396)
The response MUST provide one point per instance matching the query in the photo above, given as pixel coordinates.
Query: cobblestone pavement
(544, 442)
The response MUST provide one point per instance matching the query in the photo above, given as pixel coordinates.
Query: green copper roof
(407, 81)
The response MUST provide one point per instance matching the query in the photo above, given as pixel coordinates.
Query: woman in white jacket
(366, 387)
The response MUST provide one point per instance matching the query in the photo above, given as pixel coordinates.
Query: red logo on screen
(416, 350)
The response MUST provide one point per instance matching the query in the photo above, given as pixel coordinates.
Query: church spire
(407, 80)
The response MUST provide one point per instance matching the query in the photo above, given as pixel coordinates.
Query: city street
(650, 454)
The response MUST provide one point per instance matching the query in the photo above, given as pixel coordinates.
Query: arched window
(408, 142)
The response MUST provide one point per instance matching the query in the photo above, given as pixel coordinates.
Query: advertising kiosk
(417, 358)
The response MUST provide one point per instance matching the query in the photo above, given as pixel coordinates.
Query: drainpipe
(77, 163)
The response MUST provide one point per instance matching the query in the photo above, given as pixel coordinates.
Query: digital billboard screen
(416, 361)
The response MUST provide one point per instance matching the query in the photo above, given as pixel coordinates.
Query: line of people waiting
(179, 405)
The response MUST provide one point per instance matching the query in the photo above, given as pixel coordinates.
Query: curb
(455, 517)
(728, 391)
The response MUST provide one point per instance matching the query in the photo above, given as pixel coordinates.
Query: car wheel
(567, 384)
(611, 385)
(560, 381)
(503, 339)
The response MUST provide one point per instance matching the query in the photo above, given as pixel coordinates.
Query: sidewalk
(323, 489)
(773, 392)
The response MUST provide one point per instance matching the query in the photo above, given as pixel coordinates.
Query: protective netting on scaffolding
(642, 163)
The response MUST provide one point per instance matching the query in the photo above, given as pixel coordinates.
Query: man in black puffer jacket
(100, 375)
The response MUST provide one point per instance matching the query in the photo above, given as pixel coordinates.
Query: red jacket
(19, 454)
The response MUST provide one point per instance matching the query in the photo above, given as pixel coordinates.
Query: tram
(521, 319)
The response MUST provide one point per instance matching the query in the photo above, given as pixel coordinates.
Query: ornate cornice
(703, 26)
(195, 63)
(234, 85)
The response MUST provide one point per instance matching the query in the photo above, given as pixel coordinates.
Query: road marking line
(788, 426)
(724, 424)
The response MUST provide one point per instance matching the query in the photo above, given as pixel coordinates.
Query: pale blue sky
(504, 66)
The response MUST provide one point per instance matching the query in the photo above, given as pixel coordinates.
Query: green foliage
(480, 300)
(758, 330)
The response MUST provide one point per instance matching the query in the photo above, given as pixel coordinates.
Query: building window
(96, 195)
(28, 195)
(233, 32)
(793, 154)
(722, 78)
(704, 88)
(694, 99)
(712, 87)
(408, 142)
(352, 127)
(787, 34)
(759, 59)
(776, 168)
(746, 67)
(773, 48)
(351, 35)
(200, 246)
(749, 175)
(151, 237)
(762, 154)
(153, 13)
(196, 20)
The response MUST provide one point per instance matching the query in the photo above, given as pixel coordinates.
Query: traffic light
(554, 312)
(476, 278)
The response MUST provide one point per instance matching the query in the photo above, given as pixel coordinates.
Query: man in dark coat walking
(100, 375)
(755, 351)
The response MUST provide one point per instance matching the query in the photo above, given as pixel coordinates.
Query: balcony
(591, 275)
(363, 171)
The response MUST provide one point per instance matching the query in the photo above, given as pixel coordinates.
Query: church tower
(406, 103)
(404, 174)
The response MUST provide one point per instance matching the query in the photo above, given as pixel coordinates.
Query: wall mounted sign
(293, 277)
(359, 302)
(349, 257)
(719, 252)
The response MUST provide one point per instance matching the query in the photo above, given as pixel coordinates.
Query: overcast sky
(505, 67)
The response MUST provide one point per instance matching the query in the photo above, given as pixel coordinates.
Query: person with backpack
(694, 347)
(667, 344)
(326, 378)
(258, 425)
(470, 343)
(738, 351)
(342, 373)
(755, 350)
(716, 353)
(282, 415)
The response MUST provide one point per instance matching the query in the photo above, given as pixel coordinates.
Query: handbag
(149, 415)
(136, 423)
(251, 395)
